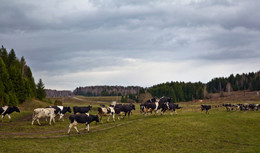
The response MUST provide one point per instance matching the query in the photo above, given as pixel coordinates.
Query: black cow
(7, 110)
(81, 109)
(127, 109)
(170, 106)
(61, 110)
(205, 107)
(83, 119)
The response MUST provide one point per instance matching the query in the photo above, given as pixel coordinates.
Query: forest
(16, 80)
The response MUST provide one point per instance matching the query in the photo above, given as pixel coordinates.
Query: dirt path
(57, 133)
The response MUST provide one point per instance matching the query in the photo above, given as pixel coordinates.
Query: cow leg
(125, 115)
(2, 117)
(33, 120)
(129, 114)
(61, 117)
(108, 118)
(70, 126)
(38, 121)
(9, 116)
(113, 115)
(87, 128)
(53, 119)
(101, 120)
(119, 114)
(50, 120)
(175, 111)
(75, 127)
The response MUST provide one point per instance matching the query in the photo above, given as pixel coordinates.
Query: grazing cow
(61, 110)
(205, 107)
(244, 107)
(7, 110)
(236, 106)
(170, 106)
(228, 107)
(127, 109)
(253, 107)
(83, 119)
(106, 111)
(44, 113)
(81, 109)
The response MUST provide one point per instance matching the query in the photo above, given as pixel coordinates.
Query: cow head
(16, 109)
(133, 106)
(68, 109)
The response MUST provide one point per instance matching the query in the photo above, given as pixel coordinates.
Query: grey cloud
(63, 37)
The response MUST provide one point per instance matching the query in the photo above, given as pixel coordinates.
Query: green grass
(189, 131)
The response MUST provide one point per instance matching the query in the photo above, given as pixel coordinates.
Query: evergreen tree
(41, 94)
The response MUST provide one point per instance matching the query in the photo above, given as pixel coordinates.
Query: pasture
(189, 131)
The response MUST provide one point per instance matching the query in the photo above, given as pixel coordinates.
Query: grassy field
(189, 131)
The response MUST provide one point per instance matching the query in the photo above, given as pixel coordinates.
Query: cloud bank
(78, 43)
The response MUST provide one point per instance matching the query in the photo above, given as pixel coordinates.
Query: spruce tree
(40, 91)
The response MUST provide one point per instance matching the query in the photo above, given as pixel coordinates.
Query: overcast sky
(71, 43)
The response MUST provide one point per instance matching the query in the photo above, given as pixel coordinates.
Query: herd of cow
(82, 116)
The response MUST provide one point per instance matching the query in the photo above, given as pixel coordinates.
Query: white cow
(106, 111)
(44, 113)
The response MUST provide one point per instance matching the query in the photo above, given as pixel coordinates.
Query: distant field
(189, 131)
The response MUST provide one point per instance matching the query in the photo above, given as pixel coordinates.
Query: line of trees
(178, 91)
(246, 81)
(16, 80)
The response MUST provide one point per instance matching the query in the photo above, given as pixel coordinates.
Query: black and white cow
(150, 107)
(253, 107)
(39, 113)
(61, 110)
(81, 109)
(83, 119)
(155, 105)
(106, 111)
(205, 107)
(127, 109)
(163, 100)
(7, 110)
(170, 106)
(244, 107)
(228, 107)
